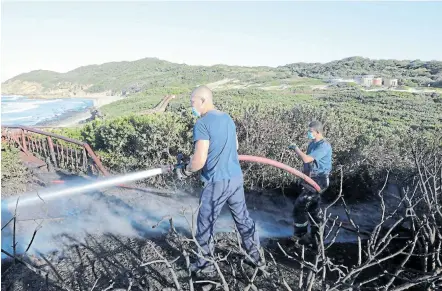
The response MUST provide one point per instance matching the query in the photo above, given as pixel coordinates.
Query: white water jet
(101, 184)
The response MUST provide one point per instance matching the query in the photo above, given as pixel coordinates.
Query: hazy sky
(60, 36)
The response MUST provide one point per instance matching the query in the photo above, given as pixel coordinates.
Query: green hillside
(132, 77)
(410, 73)
(126, 78)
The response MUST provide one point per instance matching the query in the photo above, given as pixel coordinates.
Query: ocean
(21, 110)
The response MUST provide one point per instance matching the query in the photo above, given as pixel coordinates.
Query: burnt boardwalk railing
(55, 150)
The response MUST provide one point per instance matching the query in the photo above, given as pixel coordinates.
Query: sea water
(20, 110)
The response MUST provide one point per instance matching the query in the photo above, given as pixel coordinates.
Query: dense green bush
(365, 151)
(136, 142)
(371, 132)
(14, 174)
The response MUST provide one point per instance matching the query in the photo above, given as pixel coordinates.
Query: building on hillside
(367, 80)
(390, 82)
(377, 82)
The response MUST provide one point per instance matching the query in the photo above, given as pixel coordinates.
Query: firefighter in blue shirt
(216, 155)
(317, 165)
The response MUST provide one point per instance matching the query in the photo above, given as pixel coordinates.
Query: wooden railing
(56, 150)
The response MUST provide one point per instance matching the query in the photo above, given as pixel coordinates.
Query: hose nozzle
(167, 169)
(180, 167)
(173, 167)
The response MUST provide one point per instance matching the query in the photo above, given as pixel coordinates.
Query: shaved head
(201, 100)
(202, 92)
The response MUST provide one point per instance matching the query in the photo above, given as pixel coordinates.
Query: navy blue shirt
(321, 151)
(222, 161)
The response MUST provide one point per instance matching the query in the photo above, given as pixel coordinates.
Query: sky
(61, 36)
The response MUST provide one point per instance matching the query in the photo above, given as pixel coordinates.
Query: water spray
(100, 184)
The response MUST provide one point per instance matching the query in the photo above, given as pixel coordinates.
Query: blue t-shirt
(222, 160)
(321, 151)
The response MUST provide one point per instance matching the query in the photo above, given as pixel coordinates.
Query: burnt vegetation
(401, 252)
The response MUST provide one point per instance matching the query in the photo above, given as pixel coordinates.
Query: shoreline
(63, 95)
(73, 118)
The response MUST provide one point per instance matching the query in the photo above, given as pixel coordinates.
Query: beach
(51, 112)
(71, 119)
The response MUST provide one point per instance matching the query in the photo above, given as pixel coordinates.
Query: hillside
(126, 78)
(410, 73)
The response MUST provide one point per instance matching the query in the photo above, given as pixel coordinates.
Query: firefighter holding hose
(215, 152)
(317, 165)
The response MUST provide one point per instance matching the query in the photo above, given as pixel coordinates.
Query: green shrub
(365, 151)
(14, 174)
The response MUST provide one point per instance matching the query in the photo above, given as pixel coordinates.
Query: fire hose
(282, 166)
(308, 182)
(177, 168)
(260, 160)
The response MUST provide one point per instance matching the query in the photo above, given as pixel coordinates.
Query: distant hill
(121, 78)
(410, 73)
(125, 78)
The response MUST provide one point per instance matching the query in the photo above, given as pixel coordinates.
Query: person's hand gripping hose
(181, 168)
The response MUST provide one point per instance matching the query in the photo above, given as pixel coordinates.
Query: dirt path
(160, 107)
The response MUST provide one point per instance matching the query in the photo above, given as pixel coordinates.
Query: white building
(390, 82)
(367, 81)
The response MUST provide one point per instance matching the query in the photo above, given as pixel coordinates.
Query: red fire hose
(254, 159)
(282, 166)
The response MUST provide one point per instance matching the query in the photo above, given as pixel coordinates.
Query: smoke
(77, 209)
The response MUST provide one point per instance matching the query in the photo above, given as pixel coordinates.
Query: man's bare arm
(305, 158)
(199, 157)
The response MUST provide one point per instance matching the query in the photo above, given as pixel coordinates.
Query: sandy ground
(73, 119)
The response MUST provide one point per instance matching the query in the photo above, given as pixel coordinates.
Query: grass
(133, 104)
(387, 108)
(306, 82)
(140, 102)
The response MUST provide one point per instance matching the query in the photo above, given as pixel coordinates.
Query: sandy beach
(72, 119)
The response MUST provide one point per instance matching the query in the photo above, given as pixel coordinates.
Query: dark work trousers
(309, 202)
(213, 197)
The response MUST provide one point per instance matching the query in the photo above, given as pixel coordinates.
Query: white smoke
(120, 212)
(133, 213)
